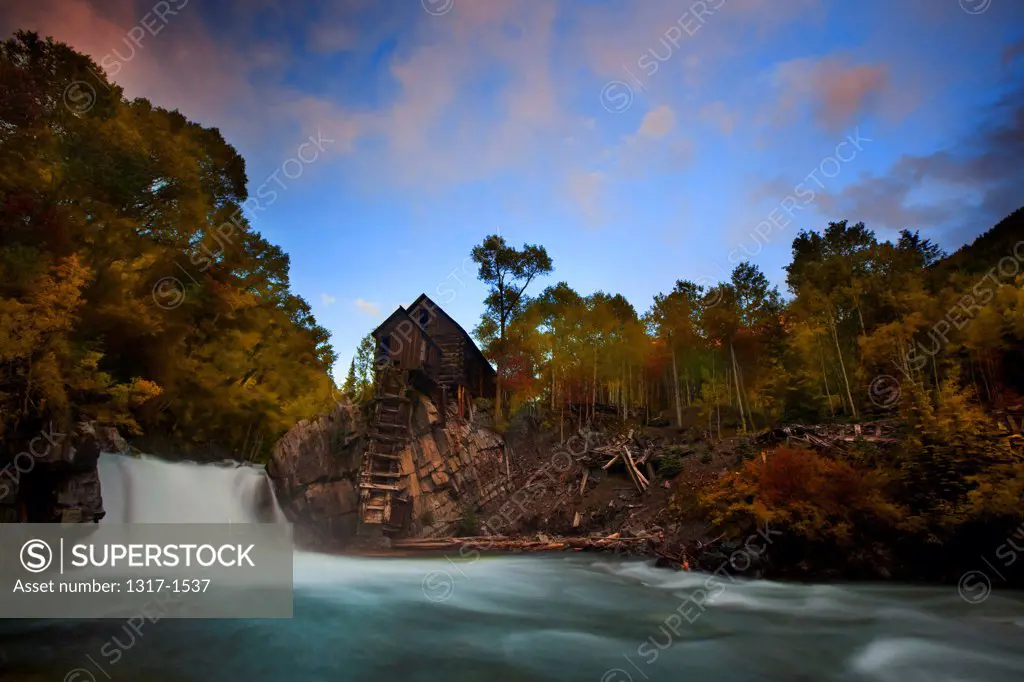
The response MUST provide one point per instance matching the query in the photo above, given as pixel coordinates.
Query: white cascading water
(150, 490)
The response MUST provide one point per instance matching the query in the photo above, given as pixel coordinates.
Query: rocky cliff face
(449, 470)
(52, 477)
(314, 469)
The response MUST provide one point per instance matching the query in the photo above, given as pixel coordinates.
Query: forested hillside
(132, 288)
(864, 319)
(872, 330)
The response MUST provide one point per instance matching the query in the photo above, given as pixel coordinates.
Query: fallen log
(634, 472)
(613, 542)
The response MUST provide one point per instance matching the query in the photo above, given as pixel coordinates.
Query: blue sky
(640, 142)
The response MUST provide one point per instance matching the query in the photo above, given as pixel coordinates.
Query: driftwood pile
(831, 436)
(627, 451)
(541, 543)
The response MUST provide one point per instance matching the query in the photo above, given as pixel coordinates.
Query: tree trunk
(842, 364)
(593, 393)
(675, 386)
(736, 376)
(629, 386)
(561, 424)
(824, 376)
(622, 392)
(552, 382)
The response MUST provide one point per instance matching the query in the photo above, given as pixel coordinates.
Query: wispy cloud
(835, 91)
(328, 300)
(372, 309)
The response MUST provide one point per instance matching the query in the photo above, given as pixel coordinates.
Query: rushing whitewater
(562, 617)
(151, 490)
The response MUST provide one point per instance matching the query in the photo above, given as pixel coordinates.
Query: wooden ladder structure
(388, 435)
(450, 376)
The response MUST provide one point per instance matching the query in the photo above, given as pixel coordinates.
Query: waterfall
(151, 490)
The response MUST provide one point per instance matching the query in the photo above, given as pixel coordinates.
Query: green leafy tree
(103, 203)
(507, 271)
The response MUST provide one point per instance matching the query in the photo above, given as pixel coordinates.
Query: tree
(673, 320)
(132, 288)
(351, 385)
(364, 363)
(508, 272)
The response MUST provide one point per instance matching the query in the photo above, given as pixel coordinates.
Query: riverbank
(574, 617)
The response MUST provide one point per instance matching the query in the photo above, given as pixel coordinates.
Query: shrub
(815, 497)
(746, 450)
(670, 465)
(469, 524)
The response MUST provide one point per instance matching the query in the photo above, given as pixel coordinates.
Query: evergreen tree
(351, 385)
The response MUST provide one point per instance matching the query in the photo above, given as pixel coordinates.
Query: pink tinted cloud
(834, 90)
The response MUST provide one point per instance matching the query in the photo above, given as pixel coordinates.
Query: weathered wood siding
(461, 363)
(407, 347)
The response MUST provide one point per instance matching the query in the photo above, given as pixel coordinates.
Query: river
(514, 619)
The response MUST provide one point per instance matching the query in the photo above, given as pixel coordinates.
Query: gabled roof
(465, 334)
(402, 312)
(398, 311)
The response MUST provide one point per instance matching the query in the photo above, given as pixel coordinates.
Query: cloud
(328, 300)
(959, 191)
(655, 146)
(585, 190)
(833, 90)
(718, 114)
(371, 309)
(658, 122)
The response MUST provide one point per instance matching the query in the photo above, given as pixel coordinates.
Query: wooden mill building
(423, 348)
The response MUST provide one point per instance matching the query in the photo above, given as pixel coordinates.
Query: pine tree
(351, 385)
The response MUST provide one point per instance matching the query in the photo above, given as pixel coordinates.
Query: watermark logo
(803, 195)
(437, 8)
(438, 586)
(696, 603)
(79, 97)
(616, 675)
(713, 292)
(25, 462)
(884, 391)
(36, 556)
(975, 6)
(967, 308)
(616, 97)
(168, 293)
(974, 587)
(79, 675)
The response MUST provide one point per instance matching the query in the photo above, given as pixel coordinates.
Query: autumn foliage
(121, 298)
(815, 496)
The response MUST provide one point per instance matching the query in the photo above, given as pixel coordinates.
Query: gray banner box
(222, 571)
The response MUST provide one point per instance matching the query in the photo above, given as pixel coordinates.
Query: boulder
(51, 476)
(314, 468)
